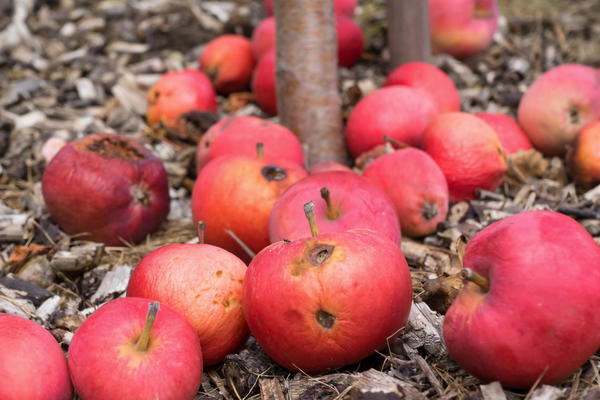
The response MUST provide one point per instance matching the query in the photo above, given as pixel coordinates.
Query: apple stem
(144, 340)
(395, 142)
(309, 211)
(260, 150)
(332, 213)
(201, 228)
(478, 279)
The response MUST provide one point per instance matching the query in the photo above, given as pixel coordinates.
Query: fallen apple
(416, 186)
(106, 188)
(325, 301)
(583, 157)
(343, 200)
(533, 311)
(203, 283)
(511, 136)
(228, 61)
(129, 349)
(263, 83)
(32, 364)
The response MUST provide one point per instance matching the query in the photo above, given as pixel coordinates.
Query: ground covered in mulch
(73, 67)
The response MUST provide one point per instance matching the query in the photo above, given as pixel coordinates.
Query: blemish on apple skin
(219, 273)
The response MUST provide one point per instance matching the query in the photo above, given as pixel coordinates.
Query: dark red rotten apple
(106, 188)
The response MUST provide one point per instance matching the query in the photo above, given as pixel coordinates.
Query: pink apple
(352, 202)
(203, 283)
(534, 312)
(263, 37)
(400, 112)
(417, 187)
(321, 302)
(123, 351)
(512, 138)
(339, 7)
(558, 104)
(239, 135)
(228, 61)
(263, 83)
(430, 78)
(462, 28)
(32, 364)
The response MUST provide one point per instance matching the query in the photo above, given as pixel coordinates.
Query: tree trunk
(408, 31)
(308, 102)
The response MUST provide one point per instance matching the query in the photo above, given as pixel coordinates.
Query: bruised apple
(530, 307)
(236, 194)
(343, 200)
(106, 188)
(177, 93)
(204, 284)
(331, 294)
(416, 186)
(32, 364)
(228, 61)
(239, 135)
(133, 349)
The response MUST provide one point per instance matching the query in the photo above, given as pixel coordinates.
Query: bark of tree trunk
(408, 31)
(308, 102)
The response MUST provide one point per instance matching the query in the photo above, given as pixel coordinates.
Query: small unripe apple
(177, 93)
(228, 61)
(32, 364)
(133, 349)
(106, 188)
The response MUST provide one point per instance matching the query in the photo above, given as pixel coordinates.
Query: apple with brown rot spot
(322, 302)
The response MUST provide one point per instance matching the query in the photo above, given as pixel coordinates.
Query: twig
(239, 241)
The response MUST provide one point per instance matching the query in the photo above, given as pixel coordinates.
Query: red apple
(339, 7)
(468, 152)
(237, 193)
(239, 135)
(400, 112)
(534, 313)
(462, 28)
(350, 39)
(511, 137)
(348, 202)
(179, 92)
(228, 61)
(32, 364)
(263, 37)
(583, 158)
(321, 302)
(203, 283)
(416, 186)
(263, 83)
(325, 166)
(430, 78)
(128, 349)
(106, 188)
(558, 104)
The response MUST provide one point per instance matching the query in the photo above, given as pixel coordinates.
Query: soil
(69, 68)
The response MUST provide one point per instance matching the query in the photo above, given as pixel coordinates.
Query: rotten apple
(343, 200)
(136, 350)
(416, 186)
(325, 301)
(32, 364)
(529, 307)
(106, 188)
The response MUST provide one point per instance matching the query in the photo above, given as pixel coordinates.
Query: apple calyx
(573, 115)
(144, 341)
(201, 229)
(429, 211)
(273, 173)
(141, 196)
(332, 212)
(325, 319)
(309, 211)
(478, 279)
